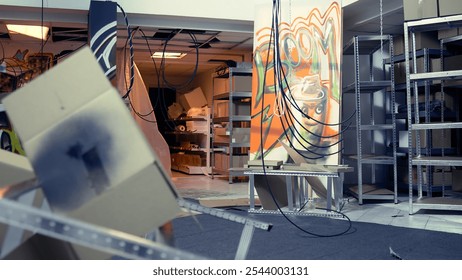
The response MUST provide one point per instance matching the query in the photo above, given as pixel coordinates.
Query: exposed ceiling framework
(216, 40)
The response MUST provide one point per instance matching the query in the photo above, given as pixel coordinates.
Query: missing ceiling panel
(200, 45)
(59, 34)
(164, 34)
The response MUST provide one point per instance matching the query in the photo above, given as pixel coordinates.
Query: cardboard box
(422, 40)
(449, 7)
(179, 159)
(192, 99)
(14, 169)
(400, 68)
(235, 84)
(441, 138)
(238, 161)
(197, 126)
(242, 108)
(457, 180)
(222, 109)
(448, 99)
(439, 178)
(448, 33)
(239, 135)
(420, 9)
(220, 131)
(218, 161)
(453, 62)
(74, 126)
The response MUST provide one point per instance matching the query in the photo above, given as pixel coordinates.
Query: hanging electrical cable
(159, 97)
(163, 62)
(132, 62)
(273, 40)
(142, 116)
(3, 53)
(156, 70)
(42, 44)
(381, 30)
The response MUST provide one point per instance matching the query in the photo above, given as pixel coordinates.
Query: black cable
(57, 57)
(278, 64)
(132, 62)
(294, 135)
(12, 67)
(162, 65)
(3, 52)
(275, 8)
(42, 41)
(138, 114)
(280, 70)
(155, 66)
(312, 133)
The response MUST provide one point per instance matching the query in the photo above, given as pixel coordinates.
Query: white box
(88, 153)
(192, 99)
(197, 126)
(420, 9)
(449, 7)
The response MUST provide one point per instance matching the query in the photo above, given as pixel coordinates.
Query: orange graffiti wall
(297, 88)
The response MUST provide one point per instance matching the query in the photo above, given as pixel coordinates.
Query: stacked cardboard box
(440, 139)
(222, 161)
(457, 180)
(238, 84)
(179, 159)
(449, 7)
(420, 9)
(239, 135)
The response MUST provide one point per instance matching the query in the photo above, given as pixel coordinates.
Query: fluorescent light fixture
(348, 2)
(172, 55)
(39, 32)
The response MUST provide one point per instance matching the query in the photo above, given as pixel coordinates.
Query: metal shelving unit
(204, 148)
(413, 116)
(426, 55)
(237, 96)
(365, 88)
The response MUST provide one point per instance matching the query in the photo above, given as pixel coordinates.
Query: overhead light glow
(39, 32)
(171, 55)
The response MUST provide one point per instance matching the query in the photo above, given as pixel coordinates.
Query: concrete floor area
(218, 192)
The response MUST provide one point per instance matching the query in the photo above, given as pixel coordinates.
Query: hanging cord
(138, 114)
(42, 43)
(162, 64)
(153, 61)
(159, 100)
(3, 54)
(279, 89)
(132, 62)
(381, 30)
(280, 82)
(272, 41)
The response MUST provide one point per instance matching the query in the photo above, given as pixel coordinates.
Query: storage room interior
(397, 142)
